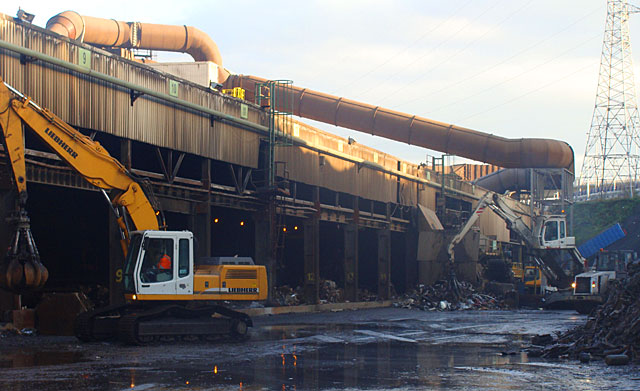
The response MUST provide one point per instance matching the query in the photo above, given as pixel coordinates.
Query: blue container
(601, 240)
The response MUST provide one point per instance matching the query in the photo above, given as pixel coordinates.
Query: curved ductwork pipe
(515, 179)
(504, 180)
(112, 33)
(411, 129)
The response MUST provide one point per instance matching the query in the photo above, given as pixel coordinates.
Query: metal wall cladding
(88, 103)
(334, 173)
(427, 197)
(491, 225)
(10, 33)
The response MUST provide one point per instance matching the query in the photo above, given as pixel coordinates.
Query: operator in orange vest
(164, 263)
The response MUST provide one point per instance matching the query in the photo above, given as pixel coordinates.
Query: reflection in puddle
(387, 364)
(38, 358)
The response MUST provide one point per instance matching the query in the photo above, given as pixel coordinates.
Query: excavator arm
(80, 152)
(545, 258)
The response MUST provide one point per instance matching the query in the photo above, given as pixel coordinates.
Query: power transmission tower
(611, 156)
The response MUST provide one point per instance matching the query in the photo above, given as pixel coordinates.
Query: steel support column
(7, 205)
(201, 223)
(262, 242)
(312, 259)
(116, 262)
(411, 259)
(351, 262)
(125, 153)
(384, 264)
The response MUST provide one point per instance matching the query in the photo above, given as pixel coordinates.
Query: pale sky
(514, 68)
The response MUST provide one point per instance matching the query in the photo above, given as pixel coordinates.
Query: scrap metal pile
(434, 297)
(329, 293)
(613, 329)
(439, 297)
(285, 295)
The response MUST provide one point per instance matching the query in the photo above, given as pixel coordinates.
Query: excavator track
(174, 323)
(98, 324)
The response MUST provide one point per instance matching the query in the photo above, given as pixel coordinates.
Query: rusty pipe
(113, 33)
(394, 125)
(411, 129)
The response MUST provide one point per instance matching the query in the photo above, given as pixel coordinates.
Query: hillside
(592, 217)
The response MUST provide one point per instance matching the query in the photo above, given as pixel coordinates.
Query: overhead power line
(467, 46)
(491, 67)
(404, 49)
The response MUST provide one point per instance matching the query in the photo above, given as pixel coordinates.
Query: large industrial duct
(112, 33)
(410, 129)
(515, 179)
(505, 180)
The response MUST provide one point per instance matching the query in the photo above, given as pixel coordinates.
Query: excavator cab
(160, 266)
(159, 263)
(553, 233)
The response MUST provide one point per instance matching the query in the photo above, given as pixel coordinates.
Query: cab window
(157, 265)
(562, 230)
(551, 231)
(183, 262)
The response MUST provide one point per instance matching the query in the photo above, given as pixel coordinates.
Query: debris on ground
(366, 295)
(285, 295)
(433, 297)
(98, 294)
(330, 293)
(439, 297)
(611, 331)
(10, 329)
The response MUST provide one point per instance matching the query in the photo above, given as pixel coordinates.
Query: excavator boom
(85, 155)
(22, 268)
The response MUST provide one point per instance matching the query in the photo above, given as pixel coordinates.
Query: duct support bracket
(24, 59)
(133, 94)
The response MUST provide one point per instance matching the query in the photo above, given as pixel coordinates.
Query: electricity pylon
(611, 156)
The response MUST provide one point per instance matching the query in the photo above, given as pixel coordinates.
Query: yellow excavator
(168, 295)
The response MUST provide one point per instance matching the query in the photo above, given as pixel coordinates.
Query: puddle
(38, 358)
(389, 364)
(364, 355)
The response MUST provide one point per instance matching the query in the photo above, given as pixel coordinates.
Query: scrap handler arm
(22, 269)
(545, 256)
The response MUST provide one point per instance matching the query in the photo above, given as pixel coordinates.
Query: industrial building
(230, 158)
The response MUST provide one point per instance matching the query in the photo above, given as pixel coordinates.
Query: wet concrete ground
(381, 349)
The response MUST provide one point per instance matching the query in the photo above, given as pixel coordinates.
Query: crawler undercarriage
(138, 324)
